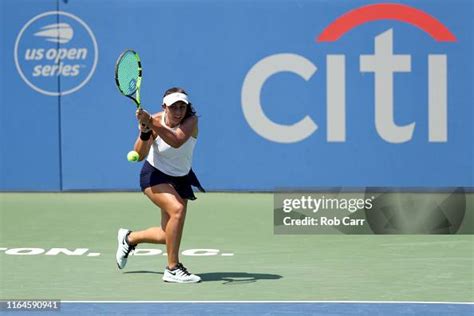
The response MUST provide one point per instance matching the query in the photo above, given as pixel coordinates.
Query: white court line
(273, 302)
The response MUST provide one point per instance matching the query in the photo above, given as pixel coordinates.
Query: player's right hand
(143, 116)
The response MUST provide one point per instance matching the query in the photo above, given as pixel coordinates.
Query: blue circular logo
(132, 85)
(49, 50)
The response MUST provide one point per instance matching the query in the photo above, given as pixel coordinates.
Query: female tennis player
(167, 140)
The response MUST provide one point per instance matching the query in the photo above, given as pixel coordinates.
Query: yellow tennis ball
(133, 156)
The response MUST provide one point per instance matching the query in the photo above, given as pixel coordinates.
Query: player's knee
(177, 211)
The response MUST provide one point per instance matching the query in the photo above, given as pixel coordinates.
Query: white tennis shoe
(123, 248)
(180, 275)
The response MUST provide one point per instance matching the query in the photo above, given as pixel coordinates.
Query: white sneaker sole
(172, 280)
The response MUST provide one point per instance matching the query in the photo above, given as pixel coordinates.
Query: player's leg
(166, 197)
(173, 209)
(153, 235)
(127, 240)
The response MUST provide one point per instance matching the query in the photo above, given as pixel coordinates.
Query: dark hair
(189, 109)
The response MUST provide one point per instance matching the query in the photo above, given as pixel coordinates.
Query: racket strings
(128, 73)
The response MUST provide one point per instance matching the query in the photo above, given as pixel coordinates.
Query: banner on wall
(289, 95)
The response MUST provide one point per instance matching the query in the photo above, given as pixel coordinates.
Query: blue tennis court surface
(300, 308)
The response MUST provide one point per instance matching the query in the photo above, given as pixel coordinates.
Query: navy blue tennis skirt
(150, 176)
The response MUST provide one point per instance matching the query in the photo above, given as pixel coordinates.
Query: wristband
(145, 136)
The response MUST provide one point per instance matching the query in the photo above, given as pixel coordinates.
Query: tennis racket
(128, 75)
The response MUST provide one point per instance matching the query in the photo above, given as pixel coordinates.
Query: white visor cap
(172, 98)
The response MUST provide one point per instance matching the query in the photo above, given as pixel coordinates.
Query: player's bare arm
(142, 147)
(175, 138)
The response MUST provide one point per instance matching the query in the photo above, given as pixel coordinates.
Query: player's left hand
(144, 128)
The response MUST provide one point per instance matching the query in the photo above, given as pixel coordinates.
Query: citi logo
(57, 33)
(383, 65)
(46, 50)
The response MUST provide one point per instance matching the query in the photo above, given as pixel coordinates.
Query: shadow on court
(142, 271)
(237, 277)
(226, 277)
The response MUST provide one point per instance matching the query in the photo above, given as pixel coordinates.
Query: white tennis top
(172, 161)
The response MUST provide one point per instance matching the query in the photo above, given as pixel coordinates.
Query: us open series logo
(56, 53)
